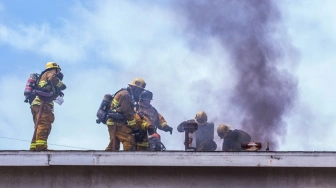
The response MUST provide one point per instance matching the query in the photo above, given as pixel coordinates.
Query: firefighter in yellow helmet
(122, 118)
(232, 138)
(204, 132)
(156, 120)
(49, 87)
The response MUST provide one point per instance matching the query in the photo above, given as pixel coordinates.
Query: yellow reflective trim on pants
(41, 142)
(132, 122)
(32, 145)
(163, 124)
(36, 101)
(143, 144)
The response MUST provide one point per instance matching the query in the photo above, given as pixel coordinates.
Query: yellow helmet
(138, 82)
(201, 118)
(222, 130)
(52, 65)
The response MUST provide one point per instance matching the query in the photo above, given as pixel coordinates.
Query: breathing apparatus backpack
(155, 144)
(104, 112)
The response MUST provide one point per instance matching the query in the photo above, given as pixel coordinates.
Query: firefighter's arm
(55, 81)
(140, 124)
(163, 122)
(163, 125)
(144, 123)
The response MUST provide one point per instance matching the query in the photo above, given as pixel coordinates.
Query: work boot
(41, 148)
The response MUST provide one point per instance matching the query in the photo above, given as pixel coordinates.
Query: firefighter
(232, 138)
(49, 87)
(204, 132)
(122, 119)
(156, 121)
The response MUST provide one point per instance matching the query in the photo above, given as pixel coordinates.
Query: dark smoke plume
(250, 31)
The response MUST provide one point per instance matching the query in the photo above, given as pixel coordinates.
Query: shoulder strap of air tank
(134, 103)
(119, 91)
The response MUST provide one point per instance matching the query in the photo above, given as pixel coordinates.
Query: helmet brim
(136, 86)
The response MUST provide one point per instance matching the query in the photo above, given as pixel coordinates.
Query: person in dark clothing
(204, 132)
(232, 138)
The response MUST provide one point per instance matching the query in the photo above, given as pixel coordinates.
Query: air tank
(104, 108)
(30, 86)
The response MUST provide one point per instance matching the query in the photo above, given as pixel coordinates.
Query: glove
(168, 129)
(61, 94)
(151, 129)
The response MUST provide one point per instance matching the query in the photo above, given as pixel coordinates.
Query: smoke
(252, 34)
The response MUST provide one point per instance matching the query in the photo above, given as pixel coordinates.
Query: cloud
(41, 40)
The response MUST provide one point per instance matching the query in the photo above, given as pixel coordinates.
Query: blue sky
(102, 45)
(18, 13)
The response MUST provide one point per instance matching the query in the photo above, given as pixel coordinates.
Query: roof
(169, 158)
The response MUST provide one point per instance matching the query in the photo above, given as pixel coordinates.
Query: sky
(189, 66)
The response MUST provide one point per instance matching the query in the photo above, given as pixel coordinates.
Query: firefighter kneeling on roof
(148, 138)
(42, 107)
(232, 138)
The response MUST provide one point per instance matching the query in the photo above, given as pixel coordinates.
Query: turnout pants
(42, 131)
(123, 135)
